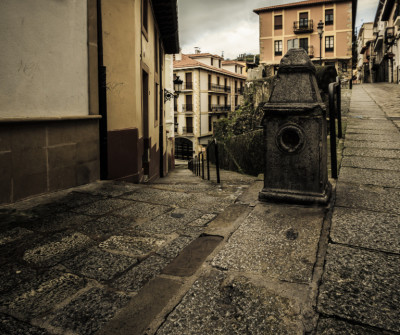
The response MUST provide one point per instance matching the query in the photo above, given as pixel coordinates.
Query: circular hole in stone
(290, 138)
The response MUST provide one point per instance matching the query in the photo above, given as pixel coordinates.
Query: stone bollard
(295, 143)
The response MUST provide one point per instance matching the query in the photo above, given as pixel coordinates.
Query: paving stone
(102, 207)
(191, 231)
(10, 217)
(88, 312)
(11, 326)
(216, 306)
(40, 295)
(108, 188)
(58, 222)
(364, 152)
(142, 211)
(200, 222)
(60, 248)
(283, 242)
(99, 264)
(134, 279)
(76, 199)
(13, 275)
(370, 177)
(185, 187)
(372, 145)
(159, 197)
(173, 249)
(132, 245)
(103, 227)
(362, 131)
(386, 137)
(170, 222)
(368, 229)
(361, 285)
(328, 326)
(371, 163)
(14, 235)
(368, 197)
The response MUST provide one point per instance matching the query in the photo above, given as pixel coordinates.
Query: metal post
(320, 50)
(332, 127)
(202, 165)
(208, 162)
(339, 107)
(217, 162)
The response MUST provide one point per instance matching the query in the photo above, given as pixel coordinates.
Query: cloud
(232, 26)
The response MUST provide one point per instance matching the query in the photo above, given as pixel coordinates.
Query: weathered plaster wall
(44, 58)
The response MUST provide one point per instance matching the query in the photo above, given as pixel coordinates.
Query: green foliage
(242, 120)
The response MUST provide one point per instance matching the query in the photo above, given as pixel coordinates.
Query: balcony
(188, 86)
(176, 127)
(220, 108)
(187, 108)
(309, 50)
(239, 90)
(389, 36)
(187, 130)
(303, 27)
(219, 88)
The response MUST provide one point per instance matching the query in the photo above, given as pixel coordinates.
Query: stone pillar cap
(296, 60)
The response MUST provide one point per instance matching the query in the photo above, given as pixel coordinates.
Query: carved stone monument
(295, 143)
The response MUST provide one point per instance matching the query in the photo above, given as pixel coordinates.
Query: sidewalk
(187, 256)
(360, 291)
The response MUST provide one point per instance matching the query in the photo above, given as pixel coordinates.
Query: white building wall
(44, 68)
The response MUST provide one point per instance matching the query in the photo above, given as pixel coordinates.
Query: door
(303, 43)
(188, 80)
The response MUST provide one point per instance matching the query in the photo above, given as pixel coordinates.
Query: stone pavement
(360, 291)
(186, 256)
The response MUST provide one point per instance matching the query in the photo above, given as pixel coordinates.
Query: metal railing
(335, 112)
(197, 164)
(303, 26)
(220, 108)
(187, 107)
(187, 130)
(219, 88)
(187, 86)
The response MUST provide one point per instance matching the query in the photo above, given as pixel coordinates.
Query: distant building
(364, 40)
(82, 92)
(294, 25)
(385, 49)
(210, 91)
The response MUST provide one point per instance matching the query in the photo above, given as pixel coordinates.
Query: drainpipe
(102, 82)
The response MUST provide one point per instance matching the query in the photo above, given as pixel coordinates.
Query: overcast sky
(231, 26)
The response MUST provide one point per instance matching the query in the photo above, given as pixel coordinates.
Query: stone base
(296, 197)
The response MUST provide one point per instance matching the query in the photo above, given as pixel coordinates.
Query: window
(328, 17)
(303, 22)
(219, 63)
(293, 43)
(303, 42)
(278, 48)
(210, 123)
(236, 100)
(212, 61)
(217, 80)
(344, 67)
(188, 81)
(209, 82)
(155, 50)
(209, 103)
(329, 43)
(189, 105)
(278, 22)
(145, 15)
(189, 125)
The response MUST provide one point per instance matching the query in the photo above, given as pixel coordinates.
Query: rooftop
(187, 61)
(296, 4)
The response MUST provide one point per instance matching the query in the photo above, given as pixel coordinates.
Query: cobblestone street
(189, 256)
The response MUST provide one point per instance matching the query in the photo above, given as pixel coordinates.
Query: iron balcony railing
(187, 86)
(220, 108)
(187, 107)
(310, 50)
(303, 26)
(219, 88)
(187, 130)
(239, 90)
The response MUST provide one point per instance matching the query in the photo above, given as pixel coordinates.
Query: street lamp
(320, 29)
(177, 88)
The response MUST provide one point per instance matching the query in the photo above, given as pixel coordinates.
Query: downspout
(102, 82)
(161, 118)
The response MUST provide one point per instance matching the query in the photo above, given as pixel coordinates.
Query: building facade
(211, 89)
(294, 25)
(83, 97)
(365, 37)
(384, 49)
